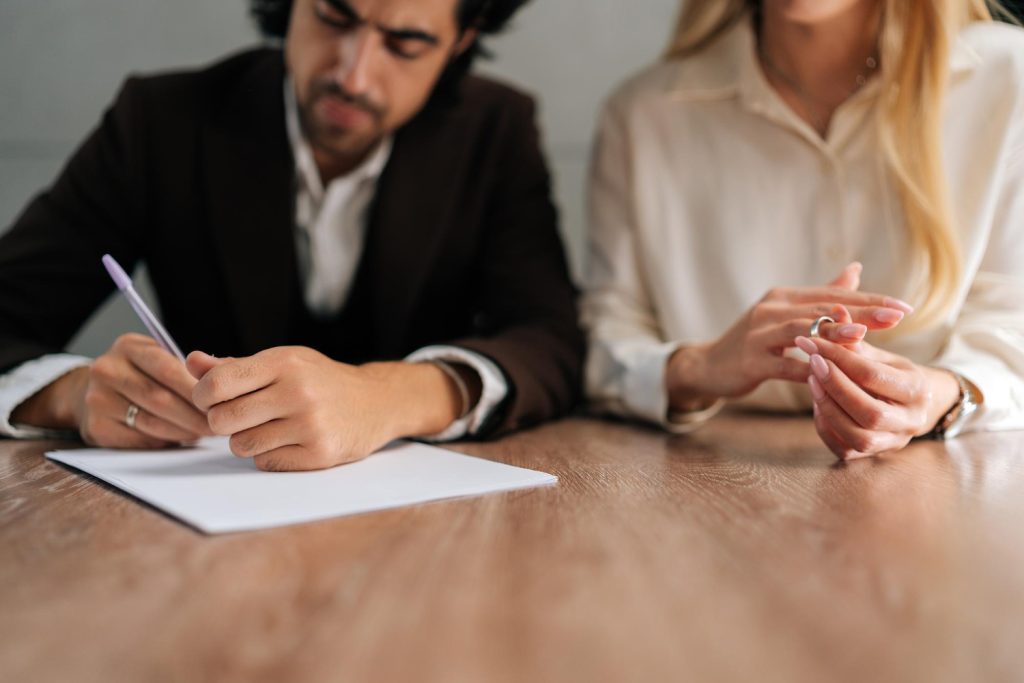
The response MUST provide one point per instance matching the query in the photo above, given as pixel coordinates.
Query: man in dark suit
(358, 236)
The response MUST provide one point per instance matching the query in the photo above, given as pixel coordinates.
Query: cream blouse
(706, 191)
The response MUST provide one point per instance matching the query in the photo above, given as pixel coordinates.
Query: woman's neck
(817, 66)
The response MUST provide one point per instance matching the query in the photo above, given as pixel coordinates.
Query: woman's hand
(753, 349)
(868, 401)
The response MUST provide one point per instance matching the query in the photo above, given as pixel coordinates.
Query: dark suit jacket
(192, 173)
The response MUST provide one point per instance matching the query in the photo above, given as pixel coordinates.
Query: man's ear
(465, 42)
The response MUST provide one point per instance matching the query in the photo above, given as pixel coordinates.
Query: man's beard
(332, 138)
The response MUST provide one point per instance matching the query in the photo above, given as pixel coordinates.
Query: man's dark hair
(488, 17)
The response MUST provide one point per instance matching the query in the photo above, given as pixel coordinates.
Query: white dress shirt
(331, 226)
(707, 191)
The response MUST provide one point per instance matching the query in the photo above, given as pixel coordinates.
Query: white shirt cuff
(647, 397)
(26, 380)
(495, 388)
(684, 423)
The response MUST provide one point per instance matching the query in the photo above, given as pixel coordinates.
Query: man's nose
(356, 60)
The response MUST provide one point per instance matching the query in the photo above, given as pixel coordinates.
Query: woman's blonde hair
(914, 49)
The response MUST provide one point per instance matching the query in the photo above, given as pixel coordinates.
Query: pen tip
(117, 273)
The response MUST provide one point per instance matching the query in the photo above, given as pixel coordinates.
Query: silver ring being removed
(129, 417)
(816, 325)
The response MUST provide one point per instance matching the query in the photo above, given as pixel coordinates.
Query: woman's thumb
(850, 277)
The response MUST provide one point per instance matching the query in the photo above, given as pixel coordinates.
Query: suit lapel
(250, 177)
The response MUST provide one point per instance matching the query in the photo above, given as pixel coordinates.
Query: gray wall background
(61, 64)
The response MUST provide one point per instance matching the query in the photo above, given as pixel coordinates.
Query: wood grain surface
(743, 552)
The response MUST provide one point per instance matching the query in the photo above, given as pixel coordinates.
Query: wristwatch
(954, 421)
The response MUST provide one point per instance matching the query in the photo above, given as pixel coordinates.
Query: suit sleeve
(526, 296)
(51, 279)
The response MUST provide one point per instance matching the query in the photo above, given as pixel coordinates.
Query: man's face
(363, 68)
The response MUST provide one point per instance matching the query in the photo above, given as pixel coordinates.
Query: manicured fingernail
(819, 367)
(816, 391)
(898, 304)
(854, 331)
(888, 316)
(806, 345)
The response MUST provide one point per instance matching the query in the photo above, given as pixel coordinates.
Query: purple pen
(124, 283)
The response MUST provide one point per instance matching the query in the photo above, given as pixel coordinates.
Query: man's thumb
(199, 363)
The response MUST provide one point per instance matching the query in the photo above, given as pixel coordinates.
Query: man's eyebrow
(346, 9)
(410, 34)
(394, 33)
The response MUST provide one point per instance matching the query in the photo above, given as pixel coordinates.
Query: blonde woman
(739, 185)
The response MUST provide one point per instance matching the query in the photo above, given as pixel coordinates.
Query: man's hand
(292, 408)
(94, 400)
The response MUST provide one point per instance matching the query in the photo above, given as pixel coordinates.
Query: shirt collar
(305, 165)
(729, 67)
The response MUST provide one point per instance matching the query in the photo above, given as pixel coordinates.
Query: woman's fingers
(772, 366)
(839, 295)
(842, 434)
(829, 437)
(849, 278)
(872, 317)
(780, 336)
(879, 379)
(865, 410)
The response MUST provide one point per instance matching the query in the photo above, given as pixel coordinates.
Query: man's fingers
(110, 432)
(246, 412)
(105, 403)
(877, 378)
(160, 401)
(266, 437)
(157, 363)
(160, 429)
(290, 459)
(232, 379)
(198, 364)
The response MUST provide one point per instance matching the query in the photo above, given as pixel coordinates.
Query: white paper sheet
(216, 492)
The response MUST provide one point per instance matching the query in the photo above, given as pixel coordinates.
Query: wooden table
(740, 553)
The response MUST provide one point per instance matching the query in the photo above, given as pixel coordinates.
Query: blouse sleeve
(987, 342)
(627, 349)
